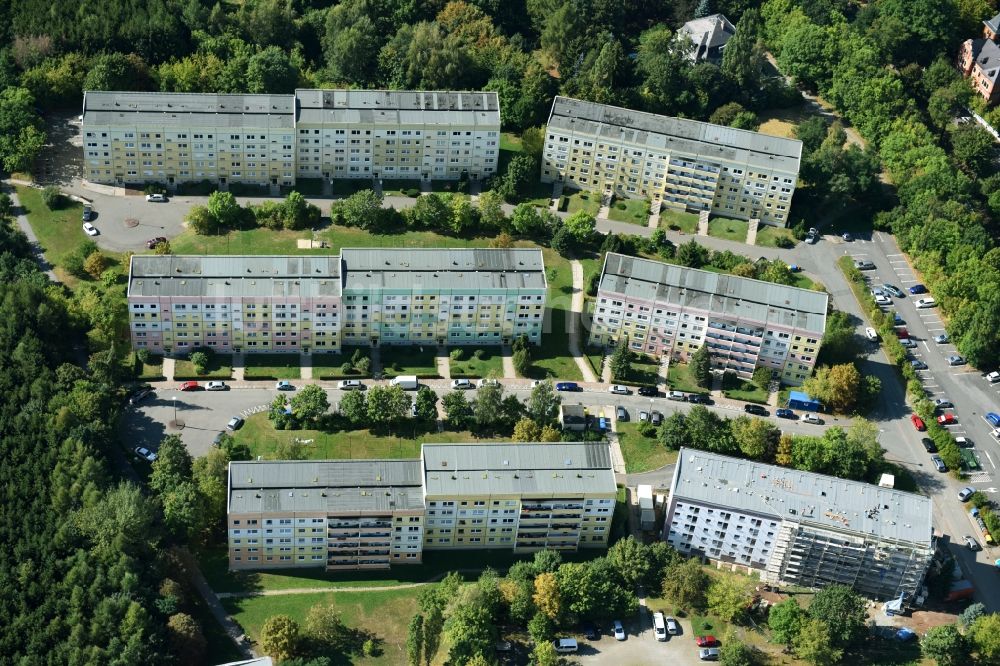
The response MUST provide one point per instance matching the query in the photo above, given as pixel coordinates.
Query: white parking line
(909, 280)
(935, 329)
(990, 459)
(896, 255)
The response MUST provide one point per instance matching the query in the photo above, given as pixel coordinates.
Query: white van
(659, 627)
(406, 382)
(565, 645)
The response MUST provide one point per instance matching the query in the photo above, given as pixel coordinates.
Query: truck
(647, 512)
(406, 382)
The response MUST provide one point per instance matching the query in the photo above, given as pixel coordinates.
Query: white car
(487, 381)
(811, 418)
(871, 334)
(350, 385)
(145, 454)
(677, 395)
(284, 385)
(618, 389)
(461, 384)
(993, 377)
(925, 303)
(883, 300)
(216, 386)
(156, 198)
(619, 630)
(89, 229)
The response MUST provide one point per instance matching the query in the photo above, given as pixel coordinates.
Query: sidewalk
(229, 625)
(443, 362)
(573, 325)
(508, 363)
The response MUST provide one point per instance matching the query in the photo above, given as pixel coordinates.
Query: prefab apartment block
(683, 164)
(799, 528)
(303, 304)
(669, 310)
(365, 514)
(174, 138)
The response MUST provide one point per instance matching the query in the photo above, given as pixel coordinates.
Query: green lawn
(220, 366)
(583, 200)
(641, 454)
(251, 241)
(734, 230)
(328, 366)
(398, 188)
(345, 187)
(679, 220)
(383, 615)
(635, 211)
(272, 366)
(152, 370)
(407, 360)
(551, 358)
(645, 370)
(767, 236)
(537, 194)
(308, 187)
(259, 434)
(510, 141)
(595, 355)
(490, 365)
(739, 389)
(679, 378)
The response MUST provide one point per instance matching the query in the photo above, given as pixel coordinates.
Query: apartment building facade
(682, 164)
(175, 138)
(669, 310)
(799, 528)
(304, 304)
(431, 135)
(372, 514)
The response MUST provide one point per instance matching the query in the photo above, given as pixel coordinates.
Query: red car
(918, 422)
(901, 332)
(190, 386)
(705, 641)
(947, 419)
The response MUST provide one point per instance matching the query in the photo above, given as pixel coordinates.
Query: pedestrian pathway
(376, 357)
(605, 370)
(231, 627)
(557, 190)
(443, 363)
(22, 223)
(617, 459)
(507, 355)
(168, 369)
(573, 323)
(239, 367)
(306, 366)
(654, 215)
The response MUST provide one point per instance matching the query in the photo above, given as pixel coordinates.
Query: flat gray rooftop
(741, 298)
(329, 486)
(445, 268)
(235, 276)
(552, 470)
(397, 107)
(187, 110)
(693, 137)
(803, 497)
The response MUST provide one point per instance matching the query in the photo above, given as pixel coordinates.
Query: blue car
(993, 418)
(897, 320)
(567, 386)
(918, 289)
(784, 413)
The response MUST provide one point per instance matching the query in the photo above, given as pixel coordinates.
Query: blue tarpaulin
(800, 400)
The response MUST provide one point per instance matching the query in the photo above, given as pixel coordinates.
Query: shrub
(364, 364)
(646, 429)
(53, 198)
(457, 354)
(412, 192)
(371, 648)
(346, 367)
(784, 242)
(143, 355)
(478, 354)
(95, 264)
(199, 360)
(563, 203)
(621, 205)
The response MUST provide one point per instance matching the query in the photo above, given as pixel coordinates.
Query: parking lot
(640, 647)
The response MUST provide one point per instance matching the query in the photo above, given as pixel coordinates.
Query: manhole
(131, 222)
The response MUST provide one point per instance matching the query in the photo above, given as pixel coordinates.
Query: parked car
(941, 339)
(918, 423)
(963, 442)
(568, 386)
(219, 438)
(89, 229)
(901, 332)
(971, 543)
(909, 343)
(659, 628)
(708, 654)
(811, 239)
(139, 395)
(284, 385)
(939, 464)
(656, 418)
(618, 630)
(350, 385)
(756, 410)
(590, 631)
(643, 416)
(190, 386)
(672, 627)
(955, 359)
(897, 320)
(156, 198)
(784, 413)
(618, 389)
(216, 386)
(488, 381)
(993, 418)
(925, 302)
(871, 334)
(88, 212)
(894, 290)
(965, 493)
(864, 265)
(565, 645)
(811, 418)
(621, 413)
(699, 399)
(461, 384)
(705, 641)
(648, 391)
(947, 419)
(847, 237)
(153, 242)
(943, 403)
(235, 423)
(918, 289)
(883, 300)
(929, 445)
(993, 377)
(917, 364)
(876, 291)
(145, 454)
(676, 395)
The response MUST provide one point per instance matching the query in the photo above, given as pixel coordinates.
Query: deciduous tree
(310, 402)
(279, 637)
(728, 596)
(543, 403)
(546, 597)
(186, 638)
(685, 583)
(815, 644)
(785, 620)
(843, 610)
(457, 410)
(945, 645)
(353, 406)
